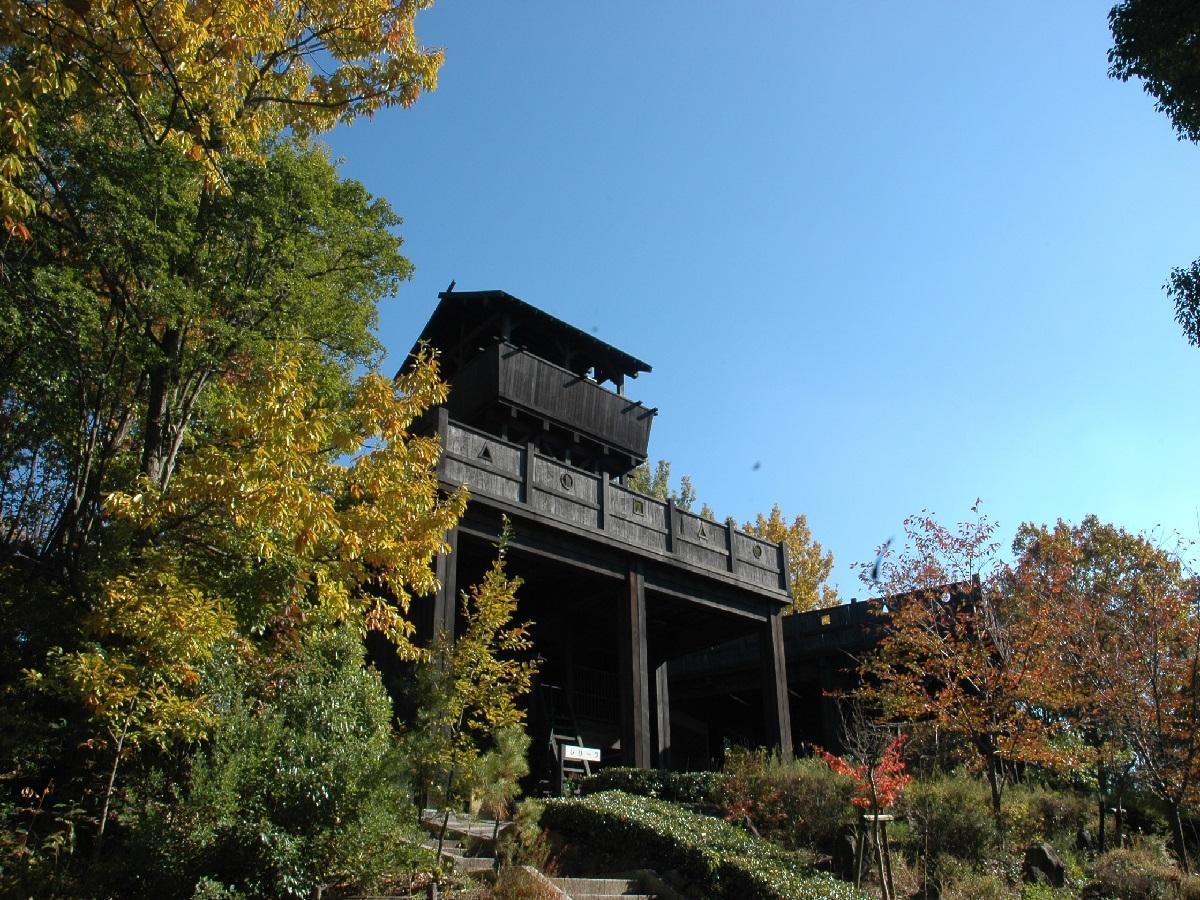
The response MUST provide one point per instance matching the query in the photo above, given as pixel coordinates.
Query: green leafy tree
(471, 688)
(137, 290)
(1155, 41)
(657, 484)
(809, 564)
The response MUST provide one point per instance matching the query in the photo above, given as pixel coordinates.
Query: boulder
(1043, 865)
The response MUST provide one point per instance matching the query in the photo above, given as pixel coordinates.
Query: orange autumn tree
(1124, 654)
(959, 653)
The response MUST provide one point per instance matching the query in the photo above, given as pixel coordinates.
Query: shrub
(682, 787)
(1038, 813)
(717, 858)
(1142, 872)
(300, 785)
(802, 804)
(950, 815)
(643, 782)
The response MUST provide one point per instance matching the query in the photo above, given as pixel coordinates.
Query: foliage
(878, 782)
(949, 815)
(1141, 872)
(301, 783)
(1156, 42)
(137, 293)
(680, 787)
(208, 81)
(263, 530)
(960, 653)
(800, 804)
(657, 484)
(1122, 652)
(809, 565)
(469, 691)
(711, 854)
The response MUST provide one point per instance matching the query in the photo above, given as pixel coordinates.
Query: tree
(958, 653)
(808, 564)
(136, 290)
(210, 81)
(266, 529)
(1155, 40)
(657, 484)
(471, 687)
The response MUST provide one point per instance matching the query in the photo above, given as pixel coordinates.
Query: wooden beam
(777, 719)
(634, 671)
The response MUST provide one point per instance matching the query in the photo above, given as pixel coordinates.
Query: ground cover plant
(717, 859)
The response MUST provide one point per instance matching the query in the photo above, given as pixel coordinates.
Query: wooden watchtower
(540, 428)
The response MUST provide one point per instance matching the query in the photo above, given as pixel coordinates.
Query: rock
(844, 855)
(1043, 866)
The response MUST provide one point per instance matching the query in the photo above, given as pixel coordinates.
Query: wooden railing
(518, 378)
(492, 467)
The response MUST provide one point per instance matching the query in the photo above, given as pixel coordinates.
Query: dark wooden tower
(618, 584)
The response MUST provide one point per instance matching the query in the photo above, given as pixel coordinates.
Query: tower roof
(465, 321)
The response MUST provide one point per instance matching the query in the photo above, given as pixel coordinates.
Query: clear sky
(882, 256)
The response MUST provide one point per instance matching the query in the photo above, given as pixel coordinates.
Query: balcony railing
(507, 374)
(519, 475)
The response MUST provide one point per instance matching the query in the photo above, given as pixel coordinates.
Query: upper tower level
(527, 377)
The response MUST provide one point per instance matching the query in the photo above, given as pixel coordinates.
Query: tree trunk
(156, 440)
(1178, 840)
(1101, 837)
(993, 777)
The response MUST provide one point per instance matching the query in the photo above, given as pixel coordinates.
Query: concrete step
(589, 888)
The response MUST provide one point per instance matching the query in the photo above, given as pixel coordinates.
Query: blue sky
(899, 255)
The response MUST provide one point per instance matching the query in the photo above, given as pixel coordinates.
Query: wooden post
(443, 430)
(670, 524)
(602, 497)
(662, 704)
(785, 568)
(730, 528)
(777, 720)
(527, 474)
(634, 671)
(445, 602)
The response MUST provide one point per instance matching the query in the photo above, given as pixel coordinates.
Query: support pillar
(445, 601)
(777, 719)
(662, 706)
(634, 672)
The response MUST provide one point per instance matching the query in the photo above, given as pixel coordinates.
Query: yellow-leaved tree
(310, 504)
(809, 564)
(210, 77)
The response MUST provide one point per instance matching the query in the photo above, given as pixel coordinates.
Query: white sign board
(586, 754)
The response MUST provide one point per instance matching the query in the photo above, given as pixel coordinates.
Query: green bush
(681, 787)
(642, 782)
(950, 815)
(300, 785)
(719, 859)
(1039, 813)
(802, 804)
